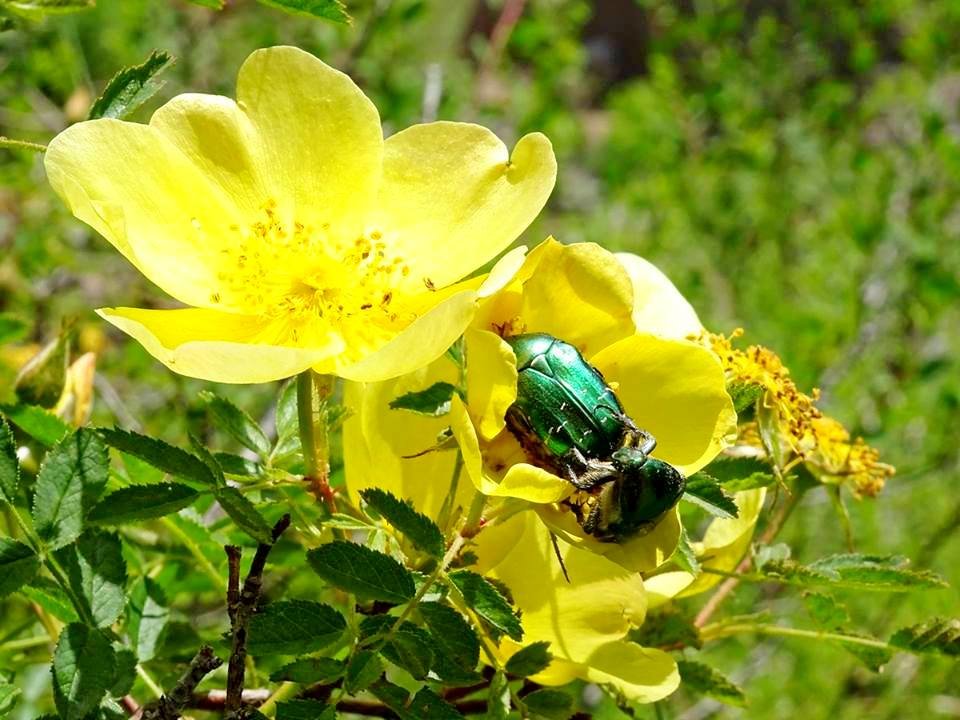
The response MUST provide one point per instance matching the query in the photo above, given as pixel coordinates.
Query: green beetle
(642, 491)
(565, 415)
(569, 421)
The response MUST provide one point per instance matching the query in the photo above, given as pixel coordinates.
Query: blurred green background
(793, 165)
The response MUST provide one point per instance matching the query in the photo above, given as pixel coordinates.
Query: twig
(728, 586)
(169, 706)
(241, 604)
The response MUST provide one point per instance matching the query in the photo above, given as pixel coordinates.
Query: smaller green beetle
(643, 489)
(565, 415)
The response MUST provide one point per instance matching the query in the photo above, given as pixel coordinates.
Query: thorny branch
(241, 604)
(170, 705)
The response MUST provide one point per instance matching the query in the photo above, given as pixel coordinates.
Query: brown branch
(170, 705)
(730, 584)
(241, 604)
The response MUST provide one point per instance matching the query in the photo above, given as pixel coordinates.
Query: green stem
(314, 437)
(448, 558)
(25, 643)
(716, 631)
(284, 692)
(472, 526)
(194, 550)
(443, 518)
(151, 684)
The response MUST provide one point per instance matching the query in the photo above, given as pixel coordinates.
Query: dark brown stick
(241, 604)
(170, 705)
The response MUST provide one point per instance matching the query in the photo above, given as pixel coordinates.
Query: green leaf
(9, 465)
(744, 395)
(52, 598)
(42, 425)
(237, 423)
(333, 10)
(131, 87)
(417, 527)
(667, 627)
(207, 458)
(147, 618)
(97, 574)
(874, 658)
(452, 634)
(169, 459)
(425, 704)
(530, 660)
(126, 674)
(706, 492)
(936, 636)
(876, 572)
(434, 401)
(84, 667)
(498, 697)
(551, 704)
(741, 473)
(358, 569)
(70, 481)
(310, 671)
(865, 572)
(244, 514)
(290, 627)
(236, 465)
(18, 565)
(826, 611)
(305, 710)
(142, 502)
(703, 679)
(488, 603)
(12, 328)
(410, 648)
(684, 556)
(9, 695)
(212, 4)
(364, 669)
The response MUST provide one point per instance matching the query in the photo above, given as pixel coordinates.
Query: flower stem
(314, 436)
(716, 631)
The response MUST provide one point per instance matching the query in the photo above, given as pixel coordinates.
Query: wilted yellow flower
(298, 236)
(820, 441)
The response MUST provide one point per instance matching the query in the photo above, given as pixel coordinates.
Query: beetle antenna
(556, 550)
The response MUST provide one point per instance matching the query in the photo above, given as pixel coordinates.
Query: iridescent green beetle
(570, 422)
(565, 415)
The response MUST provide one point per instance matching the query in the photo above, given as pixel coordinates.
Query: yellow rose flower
(298, 236)
(672, 386)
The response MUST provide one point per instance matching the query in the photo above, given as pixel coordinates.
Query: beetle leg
(596, 473)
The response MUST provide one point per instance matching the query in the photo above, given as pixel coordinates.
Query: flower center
(298, 276)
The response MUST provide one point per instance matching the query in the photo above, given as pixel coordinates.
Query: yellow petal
(601, 602)
(452, 197)
(376, 439)
(491, 380)
(676, 390)
(642, 675)
(218, 138)
(533, 484)
(658, 307)
(419, 344)
(134, 187)
(319, 139)
(662, 588)
(216, 346)
(643, 553)
(726, 540)
(579, 293)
